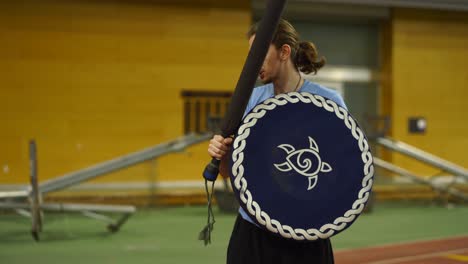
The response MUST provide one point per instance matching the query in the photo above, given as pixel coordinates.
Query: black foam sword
(241, 95)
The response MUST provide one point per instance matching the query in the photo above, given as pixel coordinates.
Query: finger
(218, 138)
(214, 154)
(228, 141)
(219, 145)
(217, 150)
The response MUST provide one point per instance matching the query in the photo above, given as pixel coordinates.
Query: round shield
(301, 166)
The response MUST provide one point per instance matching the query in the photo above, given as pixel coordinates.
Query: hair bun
(306, 59)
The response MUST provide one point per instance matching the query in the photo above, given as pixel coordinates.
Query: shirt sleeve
(252, 102)
(339, 100)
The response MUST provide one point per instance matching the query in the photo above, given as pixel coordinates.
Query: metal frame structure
(426, 158)
(418, 179)
(423, 156)
(29, 202)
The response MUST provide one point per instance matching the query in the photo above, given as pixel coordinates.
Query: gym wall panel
(430, 79)
(93, 80)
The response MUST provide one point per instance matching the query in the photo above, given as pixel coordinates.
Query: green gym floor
(169, 235)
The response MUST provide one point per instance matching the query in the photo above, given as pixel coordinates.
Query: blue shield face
(301, 168)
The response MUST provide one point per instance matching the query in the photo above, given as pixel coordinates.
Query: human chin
(264, 79)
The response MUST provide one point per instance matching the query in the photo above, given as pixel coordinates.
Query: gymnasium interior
(107, 108)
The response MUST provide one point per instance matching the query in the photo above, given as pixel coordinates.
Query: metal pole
(423, 156)
(79, 176)
(398, 170)
(35, 203)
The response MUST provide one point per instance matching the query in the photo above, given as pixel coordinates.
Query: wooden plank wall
(430, 79)
(91, 80)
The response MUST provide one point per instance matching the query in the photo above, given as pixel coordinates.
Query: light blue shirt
(264, 92)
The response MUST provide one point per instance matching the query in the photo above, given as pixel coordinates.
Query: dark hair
(304, 54)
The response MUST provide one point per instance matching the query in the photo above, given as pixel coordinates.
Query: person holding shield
(286, 58)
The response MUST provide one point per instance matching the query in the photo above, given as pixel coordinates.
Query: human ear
(285, 52)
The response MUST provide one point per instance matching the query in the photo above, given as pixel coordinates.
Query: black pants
(250, 244)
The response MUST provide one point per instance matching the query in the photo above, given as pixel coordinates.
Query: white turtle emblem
(306, 162)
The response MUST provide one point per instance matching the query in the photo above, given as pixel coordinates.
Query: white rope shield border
(240, 183)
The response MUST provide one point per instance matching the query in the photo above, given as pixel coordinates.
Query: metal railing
(418, 179)
(29, 202)
(423, 156)
(118, 163)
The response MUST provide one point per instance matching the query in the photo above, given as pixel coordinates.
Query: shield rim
(247, 201)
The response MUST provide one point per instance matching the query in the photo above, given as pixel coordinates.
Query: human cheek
(267, 64)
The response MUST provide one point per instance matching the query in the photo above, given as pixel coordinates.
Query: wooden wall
(429, 78)
(91, 80)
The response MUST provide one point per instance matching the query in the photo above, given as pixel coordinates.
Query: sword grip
(212, 170)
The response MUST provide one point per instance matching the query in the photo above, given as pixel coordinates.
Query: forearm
(219, 148)
(224, 167)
